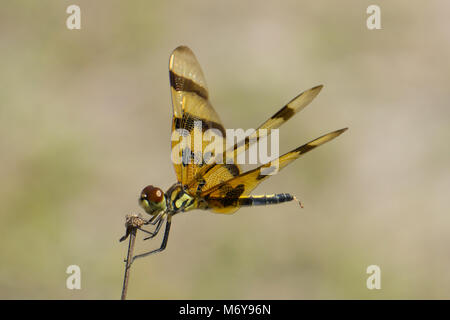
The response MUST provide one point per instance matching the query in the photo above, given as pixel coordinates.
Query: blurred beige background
(85, 124)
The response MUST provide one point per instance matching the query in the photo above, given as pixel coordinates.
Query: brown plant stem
(132, 223)
(128, 263)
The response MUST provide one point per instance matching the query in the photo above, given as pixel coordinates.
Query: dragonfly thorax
(178, 200)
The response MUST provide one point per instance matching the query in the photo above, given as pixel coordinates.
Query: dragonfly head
(152, 200)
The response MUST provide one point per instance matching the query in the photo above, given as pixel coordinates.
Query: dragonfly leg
(155, 232)
(152, 234)
(163, 244)
(155, 219)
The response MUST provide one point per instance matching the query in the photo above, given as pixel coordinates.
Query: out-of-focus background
(85, 125)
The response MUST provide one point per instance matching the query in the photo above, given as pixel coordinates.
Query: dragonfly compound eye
(152, 194)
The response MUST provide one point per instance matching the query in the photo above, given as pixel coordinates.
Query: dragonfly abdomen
(264, 199)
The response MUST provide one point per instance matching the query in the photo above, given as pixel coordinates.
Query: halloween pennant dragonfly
(216, 186)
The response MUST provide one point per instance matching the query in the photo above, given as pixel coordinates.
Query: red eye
(153, 194)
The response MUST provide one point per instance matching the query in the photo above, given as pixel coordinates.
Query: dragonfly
(214, 185)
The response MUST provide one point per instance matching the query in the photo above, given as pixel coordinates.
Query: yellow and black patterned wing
(284, 114)
(212, 173)
(223, 198)
(193, 114)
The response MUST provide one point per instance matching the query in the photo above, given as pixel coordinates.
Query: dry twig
(132, 223)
